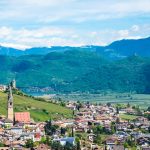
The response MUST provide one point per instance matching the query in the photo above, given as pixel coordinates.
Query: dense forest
(77, 70)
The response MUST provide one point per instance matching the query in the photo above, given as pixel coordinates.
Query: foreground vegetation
(40, 110)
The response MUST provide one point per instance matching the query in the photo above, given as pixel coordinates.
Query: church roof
(22, 117)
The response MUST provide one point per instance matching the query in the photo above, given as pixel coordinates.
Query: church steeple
(10, 112)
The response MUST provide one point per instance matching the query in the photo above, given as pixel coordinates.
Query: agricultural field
(128, 117)
(143, 100)
(39, 110)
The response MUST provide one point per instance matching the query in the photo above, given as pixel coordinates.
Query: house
(145, 148)
(4, 148)
(8, 123)
(26, 136)
(143, 140)
(91, 137)
(3, 87)
(94, 146)
(16, 130)
(115, 147)
(43, 147)
(65, 140)
(111, 140)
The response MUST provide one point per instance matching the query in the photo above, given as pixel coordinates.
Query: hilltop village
(91, 127)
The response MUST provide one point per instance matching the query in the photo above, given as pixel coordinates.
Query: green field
(127, 117)
(40, 111)
(143, 100)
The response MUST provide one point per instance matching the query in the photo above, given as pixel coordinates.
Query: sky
(45, 23)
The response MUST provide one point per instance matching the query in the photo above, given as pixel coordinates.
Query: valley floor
(142, 100)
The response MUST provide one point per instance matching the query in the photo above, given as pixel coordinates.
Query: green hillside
(40, 111)
(77, 71)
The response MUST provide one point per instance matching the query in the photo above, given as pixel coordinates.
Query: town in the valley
(91, 127)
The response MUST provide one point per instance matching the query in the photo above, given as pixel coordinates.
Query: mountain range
(123, 66)
(77, 71)
(116, 50)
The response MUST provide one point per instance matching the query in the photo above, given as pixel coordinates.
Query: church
(14, 117)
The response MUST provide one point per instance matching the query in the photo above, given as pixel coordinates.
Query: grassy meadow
(39, 110)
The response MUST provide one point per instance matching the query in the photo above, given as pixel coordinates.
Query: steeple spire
(10, 112)
(10, 96)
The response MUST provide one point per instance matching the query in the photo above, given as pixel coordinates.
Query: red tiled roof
(37, 135)
(22, 117)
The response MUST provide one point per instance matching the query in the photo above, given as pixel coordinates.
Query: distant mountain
(116, 50)
(126, 48)
(10, 51)
(77, 71)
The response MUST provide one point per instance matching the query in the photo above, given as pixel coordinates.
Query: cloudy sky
(33, 23)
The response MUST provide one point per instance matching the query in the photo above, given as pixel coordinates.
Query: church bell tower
(10, 111)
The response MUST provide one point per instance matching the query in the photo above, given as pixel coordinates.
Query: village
(92, 127)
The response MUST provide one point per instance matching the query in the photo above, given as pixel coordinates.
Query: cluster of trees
(54, 145)
(68, 146)
(102, 130)
(49, 128)
(130, 142)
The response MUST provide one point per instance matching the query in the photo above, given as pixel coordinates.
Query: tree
(118, 120)
(73, 113)
(126, 145)
(56, 146)
(117, 110)
(131, 143)
(78, 144)
(49, 128)
(1, 144)
(108, 104)
(98, 129)
(98, 139)
(149, 129)
(72, 131)
(29, 143)
(69, 146)
(113, 127)
(62, 131)
(48, 141)
(63, 104)
(148, 109)
(128, 105)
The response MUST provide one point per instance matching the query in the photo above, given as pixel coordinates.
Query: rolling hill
(40, 111)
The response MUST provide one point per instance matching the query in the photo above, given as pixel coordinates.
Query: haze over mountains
(116, 50)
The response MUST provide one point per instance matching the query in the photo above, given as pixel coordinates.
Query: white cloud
(123, 33)
(72, 22)
(17, 46)
(4, 31)
(52, 36)
(71, 10)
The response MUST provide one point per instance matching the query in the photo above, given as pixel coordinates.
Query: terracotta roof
(22, 117)
(37, 135)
